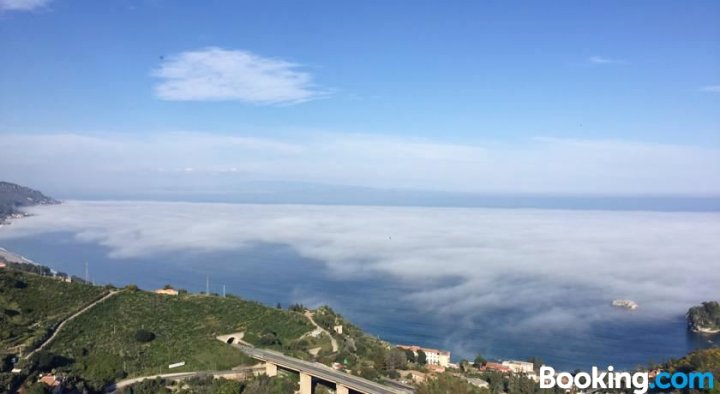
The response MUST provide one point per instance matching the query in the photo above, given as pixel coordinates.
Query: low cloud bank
(544, 267)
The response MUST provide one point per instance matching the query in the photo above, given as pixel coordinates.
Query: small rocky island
(705, 318)
(14, 197)
(626, 304)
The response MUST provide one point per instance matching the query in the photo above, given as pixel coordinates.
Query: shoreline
(706, 331)
(14, 257)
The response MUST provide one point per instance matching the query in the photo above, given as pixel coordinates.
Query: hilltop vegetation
(707, 360)
(366, 355)
(13, 197)
(699, 360)
(134, 332)
(108, 342)
(705, 317)
(31, 305)
(281, 384)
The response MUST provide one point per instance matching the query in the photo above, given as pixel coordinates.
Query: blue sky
(524, 86)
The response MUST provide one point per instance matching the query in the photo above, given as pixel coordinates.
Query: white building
(434, 356)
(519, 366)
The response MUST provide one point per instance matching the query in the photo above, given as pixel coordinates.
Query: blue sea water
(272, 273)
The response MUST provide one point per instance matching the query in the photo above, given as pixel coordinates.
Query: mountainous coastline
(13, 197)
(705, 318)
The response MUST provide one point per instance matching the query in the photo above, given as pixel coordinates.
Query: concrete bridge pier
(271, 369)
(340, 389)
(305, 383)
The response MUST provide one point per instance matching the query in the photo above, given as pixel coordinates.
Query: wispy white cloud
(220, 74)
(605, 60)
(556, 269)
(22, 5)
(544, 165)
(711, 89)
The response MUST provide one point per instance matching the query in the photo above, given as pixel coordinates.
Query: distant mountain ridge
(13, 197)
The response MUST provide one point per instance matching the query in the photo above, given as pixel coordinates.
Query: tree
(379, 360)
(410, 355)
(297, 308)
(265, 385)
(479, 361)
(37, 388)
(395, 359)
(45, 361)
(225, 386)
(144, 336)
(269, 338)
(446, 383)
(421, 357)
(319, 389)
(168, 287)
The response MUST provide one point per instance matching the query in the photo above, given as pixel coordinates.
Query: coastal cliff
(13, 197)
(705, 318)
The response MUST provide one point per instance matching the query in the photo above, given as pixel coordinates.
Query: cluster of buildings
(512, 366)
(7, 220)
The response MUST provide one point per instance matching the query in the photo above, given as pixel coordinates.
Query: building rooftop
(416, 348)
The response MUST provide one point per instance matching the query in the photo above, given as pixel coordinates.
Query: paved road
(62, 323)
(180, 376)
(320, 371)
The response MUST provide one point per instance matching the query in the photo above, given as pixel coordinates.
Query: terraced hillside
(137, 333)
(30, 305)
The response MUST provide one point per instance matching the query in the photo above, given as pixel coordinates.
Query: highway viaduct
(344, 383)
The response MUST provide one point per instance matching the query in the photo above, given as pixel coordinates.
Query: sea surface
(378, 302)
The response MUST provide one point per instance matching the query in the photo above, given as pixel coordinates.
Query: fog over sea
(507, 283)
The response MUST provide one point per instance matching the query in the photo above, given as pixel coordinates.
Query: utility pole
(223, 291)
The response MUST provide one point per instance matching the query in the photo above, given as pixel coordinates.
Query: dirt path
(333, 341)
(62, 323)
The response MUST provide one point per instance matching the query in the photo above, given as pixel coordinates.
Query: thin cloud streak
(711, 89)
(22, 5)
(605, 60)
(217, 74)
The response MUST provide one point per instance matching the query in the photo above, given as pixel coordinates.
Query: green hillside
(31, 304)
(699, 360)
(105, 344)
(134, 333)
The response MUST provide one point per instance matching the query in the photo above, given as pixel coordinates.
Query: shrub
(144, 336)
